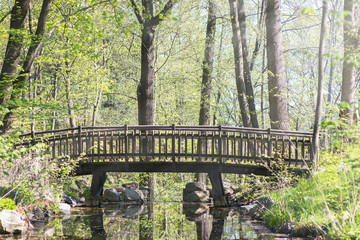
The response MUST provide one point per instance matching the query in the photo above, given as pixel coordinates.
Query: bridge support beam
(218, 189)
(97, 186)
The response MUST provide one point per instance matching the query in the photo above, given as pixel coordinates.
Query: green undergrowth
(327, 203)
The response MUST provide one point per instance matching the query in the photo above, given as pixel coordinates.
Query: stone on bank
(12, 222)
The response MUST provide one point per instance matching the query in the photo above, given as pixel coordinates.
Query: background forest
(88, 63)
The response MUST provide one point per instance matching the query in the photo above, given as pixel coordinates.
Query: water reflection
(151, 221)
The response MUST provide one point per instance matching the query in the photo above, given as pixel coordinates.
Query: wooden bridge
(209, 149)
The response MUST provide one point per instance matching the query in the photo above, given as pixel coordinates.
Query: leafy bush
(7, 203)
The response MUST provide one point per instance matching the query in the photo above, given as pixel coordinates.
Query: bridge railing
(178, 143)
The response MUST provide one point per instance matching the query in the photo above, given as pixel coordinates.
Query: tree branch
(137, 12)
(6, 14)
(158, 18)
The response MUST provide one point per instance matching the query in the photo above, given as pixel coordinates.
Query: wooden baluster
(241, 147)
(269, 147)
(192, 145)
(234, 146)
(173, 143)
(92, 146)
(80, 147)
(134, 145)
(227, 146)
(67, 144)
(248, 147)
(159, 144)
(53, 147)
(220, 144)
(186, 144)
(153, 143)
(290, 146)
(296, 150)
(179, 145)
(99, 145)
(126, 138)
(206, 145)
(112, 145)
(212, 146)
(166, 144)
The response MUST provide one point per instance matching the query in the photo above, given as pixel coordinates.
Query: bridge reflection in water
(208, 149)
(172, 221)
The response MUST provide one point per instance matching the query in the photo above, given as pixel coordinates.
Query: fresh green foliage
(7, 203)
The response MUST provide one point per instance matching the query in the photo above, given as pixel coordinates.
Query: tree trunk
(13, 48)
(348, 74)
(246, 65)
(23, 77)
(145, 91)
(204, 118)
(276, 70)
(315, 146)
(239, 71)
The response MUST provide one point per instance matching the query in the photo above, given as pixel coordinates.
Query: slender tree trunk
(276, 70)
(13, 48)
(239, 70)
(315, 146)
(246, 65)
(348, 74)
(206, 85)
(70, 103)
(259, 35)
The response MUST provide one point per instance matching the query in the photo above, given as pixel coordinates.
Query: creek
(159, 220)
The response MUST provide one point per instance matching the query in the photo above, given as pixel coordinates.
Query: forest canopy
(81, 62)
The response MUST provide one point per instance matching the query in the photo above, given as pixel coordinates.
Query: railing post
(220, 144)
(79, 141)
(32, 133)
(270, 151)
(173, 142)
(126, 142)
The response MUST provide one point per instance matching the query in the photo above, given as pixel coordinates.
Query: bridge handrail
(204, 128)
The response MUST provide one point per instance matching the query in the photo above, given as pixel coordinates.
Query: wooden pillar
(97, 186)
(217, 188)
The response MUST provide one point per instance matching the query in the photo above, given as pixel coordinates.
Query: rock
(195, 209)
(133, 195)
(133, 210)
(111, 196)
(228, 191)
(195, 186)
(118, 188)
(69, 200)
(11, 222)
(131, 185)
(65, 208)
(146, 192)
(196, 196)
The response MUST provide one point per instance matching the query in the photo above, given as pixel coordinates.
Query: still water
(160, 220)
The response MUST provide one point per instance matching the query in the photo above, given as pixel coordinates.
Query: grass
(328, 202)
